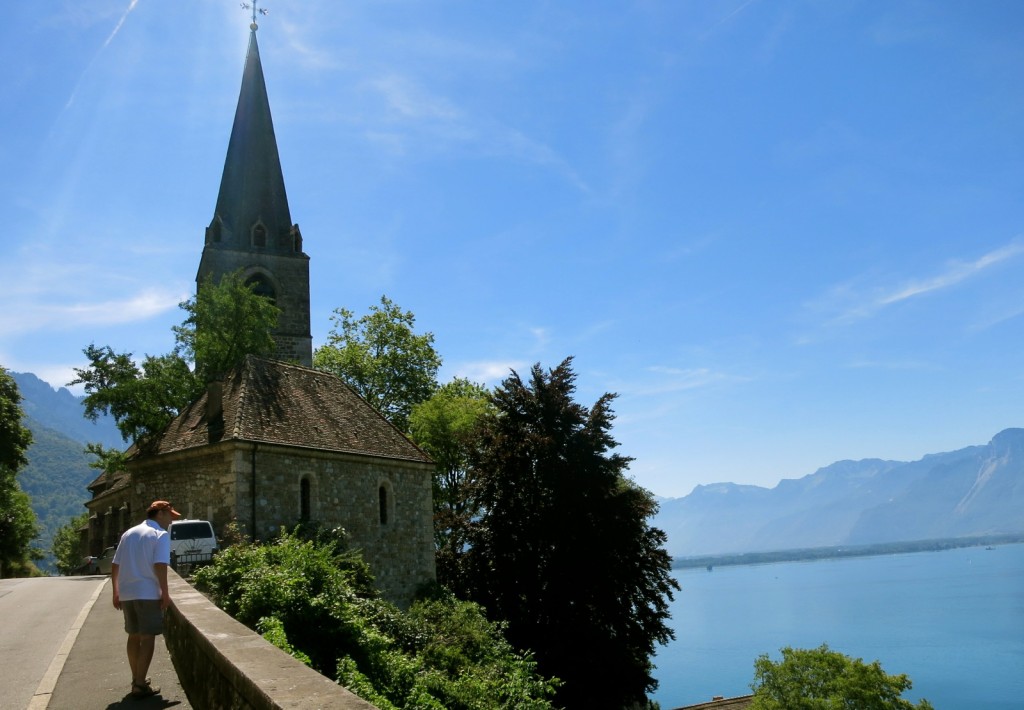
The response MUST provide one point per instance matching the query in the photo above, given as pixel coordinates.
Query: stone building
(277, 443)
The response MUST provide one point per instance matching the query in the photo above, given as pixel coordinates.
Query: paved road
(62, 646)
(35, 617)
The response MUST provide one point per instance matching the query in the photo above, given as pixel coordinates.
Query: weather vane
(262, 11)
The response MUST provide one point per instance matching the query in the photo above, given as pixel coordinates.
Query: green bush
(823, 679)
(314, 600)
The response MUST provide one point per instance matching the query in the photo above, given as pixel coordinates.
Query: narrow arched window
(262, 286)
(259, 235)
(382, 495)
(304, 500)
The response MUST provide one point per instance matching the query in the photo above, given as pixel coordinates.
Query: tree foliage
(18, 525)
(142, 399)
(313, 599)
(226, 321)
(381, 357)
(67, 544)
(446, 427)
(562, 549)
(822, 679)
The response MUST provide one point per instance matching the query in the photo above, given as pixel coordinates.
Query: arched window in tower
(382, 496)
(305, 500)
(262, 286)
(213, 232)
(259, 235)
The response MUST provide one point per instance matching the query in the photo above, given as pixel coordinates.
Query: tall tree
(563, 550)
(380, 356)
(226, 321)
(142, 399)
(446, 427)
(18, 525)
(67, 544)
(820, 678)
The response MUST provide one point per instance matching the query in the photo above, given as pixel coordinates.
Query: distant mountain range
(978, 490)
(58, 470)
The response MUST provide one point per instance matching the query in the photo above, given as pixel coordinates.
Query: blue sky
(784, 232)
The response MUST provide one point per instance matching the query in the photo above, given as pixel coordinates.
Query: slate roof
(738, 703)
(267, 401)
(252, 185)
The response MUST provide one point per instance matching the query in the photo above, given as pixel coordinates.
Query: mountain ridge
(977, 490)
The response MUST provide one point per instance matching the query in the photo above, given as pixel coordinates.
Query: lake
(952, 620)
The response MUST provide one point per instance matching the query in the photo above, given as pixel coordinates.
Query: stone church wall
(384, 505)
(198, 483)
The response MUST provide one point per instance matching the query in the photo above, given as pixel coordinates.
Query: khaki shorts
(143, 616)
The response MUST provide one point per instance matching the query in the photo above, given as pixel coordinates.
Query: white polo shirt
(140, 548)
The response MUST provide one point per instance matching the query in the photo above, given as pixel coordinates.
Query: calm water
(953, 621)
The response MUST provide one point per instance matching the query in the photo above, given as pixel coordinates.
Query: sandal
(143, 690)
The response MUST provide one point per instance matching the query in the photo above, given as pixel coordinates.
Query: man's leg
(140, 655)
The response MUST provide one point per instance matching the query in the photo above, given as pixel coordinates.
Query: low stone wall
(223, 664)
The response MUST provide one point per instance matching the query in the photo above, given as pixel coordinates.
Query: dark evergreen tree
(563, 550)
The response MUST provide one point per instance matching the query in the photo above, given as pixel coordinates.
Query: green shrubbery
(316, 601)
(823, 679)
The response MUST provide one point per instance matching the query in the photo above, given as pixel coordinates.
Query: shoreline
(811, 554)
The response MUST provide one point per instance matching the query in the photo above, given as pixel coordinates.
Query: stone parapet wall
(223, 664)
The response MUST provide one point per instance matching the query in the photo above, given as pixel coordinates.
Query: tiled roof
(273, 402)
(739, 703)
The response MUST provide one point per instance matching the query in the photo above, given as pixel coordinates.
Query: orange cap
(163, 505)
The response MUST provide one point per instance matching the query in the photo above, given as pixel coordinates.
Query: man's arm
(160, 570)
(114, 570)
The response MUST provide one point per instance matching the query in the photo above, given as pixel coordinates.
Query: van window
(191, 531)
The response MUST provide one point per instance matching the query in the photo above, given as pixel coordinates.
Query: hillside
(58, 470)
(975, 491)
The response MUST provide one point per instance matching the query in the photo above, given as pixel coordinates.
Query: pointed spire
(252, 206)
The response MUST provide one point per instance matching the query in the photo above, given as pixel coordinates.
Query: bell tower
(252, 229)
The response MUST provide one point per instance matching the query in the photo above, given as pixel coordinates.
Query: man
(139, 577)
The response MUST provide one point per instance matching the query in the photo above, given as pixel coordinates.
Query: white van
(192, 541)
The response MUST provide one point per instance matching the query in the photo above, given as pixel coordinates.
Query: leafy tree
(143, 400)
(562, 550)
(382, 359)
(226, 321)
(15, 438)
(18, 526)
(822, 679)
(67, 544)
(315, 600)
(445, 426)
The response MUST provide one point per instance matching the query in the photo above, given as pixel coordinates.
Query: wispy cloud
(854, 303)
(414, 115)
(120, 23)
(899, 365)
(28, 317)
(490, 372)
(667, 380)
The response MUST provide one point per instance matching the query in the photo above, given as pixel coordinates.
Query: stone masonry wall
(198, 483)
(384, 505)
(346, 491)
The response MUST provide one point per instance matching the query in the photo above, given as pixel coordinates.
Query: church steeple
(252, 186)
(252, 228)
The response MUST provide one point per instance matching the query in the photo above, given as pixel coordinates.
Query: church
(277, 442)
